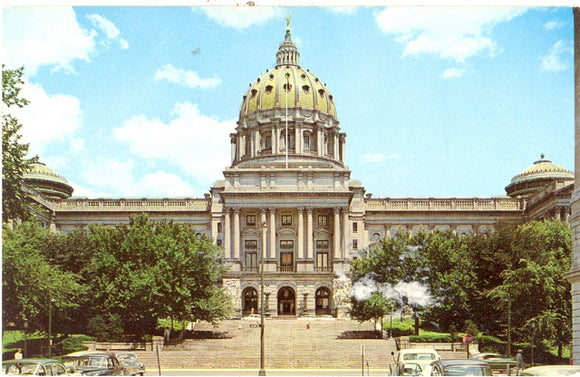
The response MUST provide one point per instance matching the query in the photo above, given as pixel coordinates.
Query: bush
(430, 338)
(71, 344)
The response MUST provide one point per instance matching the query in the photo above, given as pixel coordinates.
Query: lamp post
(50, 327)
(262, 371)
(25, 325)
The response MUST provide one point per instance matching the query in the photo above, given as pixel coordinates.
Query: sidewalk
(269, 372)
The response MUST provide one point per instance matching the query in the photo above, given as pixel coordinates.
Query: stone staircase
(289, 344)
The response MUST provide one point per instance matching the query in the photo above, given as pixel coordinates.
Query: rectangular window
(286, 220)
(219, 227)
(252, 259)
(251, 244)
(322, 244)
(286, 259)
(355, 244)
(354, 227)
(287, 244)
(251, 220)
(218, 242)
(321, 259)
(322, 220)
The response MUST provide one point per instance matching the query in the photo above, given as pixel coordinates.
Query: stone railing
(104, 205)
(450, 204)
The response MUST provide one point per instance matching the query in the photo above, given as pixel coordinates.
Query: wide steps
(328, 343)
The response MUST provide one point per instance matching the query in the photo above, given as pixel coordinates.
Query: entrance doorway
(286, 301)
(323, 301)
(250, 301)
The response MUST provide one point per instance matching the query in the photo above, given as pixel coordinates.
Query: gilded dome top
(537, 176)
(49, 183)
(288, 85)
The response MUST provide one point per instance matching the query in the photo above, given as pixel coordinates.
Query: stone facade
(288, 200)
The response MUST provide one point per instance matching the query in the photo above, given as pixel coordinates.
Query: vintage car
(500, 365)
(460, 367)
(131, 363)
(413, 361)
(33, 367)
(94, 363)
(552, 370)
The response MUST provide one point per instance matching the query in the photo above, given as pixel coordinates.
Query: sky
(138, 101)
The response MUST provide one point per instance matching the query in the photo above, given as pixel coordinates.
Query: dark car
(499, 364)
(94, 363)
(460, 367)
(131, 362)
(33, 367)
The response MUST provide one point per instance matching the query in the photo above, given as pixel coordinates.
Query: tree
(533, 285)
(30, 282)
(374, 308)
(15, 203)
(149, 270)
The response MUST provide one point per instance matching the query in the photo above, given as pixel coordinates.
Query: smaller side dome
(47, 182)
(541, 174)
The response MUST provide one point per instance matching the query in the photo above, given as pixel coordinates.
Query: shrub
(72, 344)
(430, 338)
(107, 327)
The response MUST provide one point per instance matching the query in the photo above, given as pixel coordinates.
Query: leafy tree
(30, 283)
(533, 285)
(149, 270)
(15, 203)
(374, 308)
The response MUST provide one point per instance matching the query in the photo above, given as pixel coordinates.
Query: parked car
(94, 363)
(33, 367)
(460, 367)
(500, 365)
(131, 363)
(412, 361)
(552, 370)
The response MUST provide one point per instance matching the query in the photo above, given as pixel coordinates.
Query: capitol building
(288, 196)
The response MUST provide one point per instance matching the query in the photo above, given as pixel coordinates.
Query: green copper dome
(49, 183)
(542, 173)
(288, 85)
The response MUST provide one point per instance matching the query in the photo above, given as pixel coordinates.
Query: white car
(413, 361)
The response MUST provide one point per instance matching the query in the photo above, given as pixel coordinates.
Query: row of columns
(333, 147)
(232, 235)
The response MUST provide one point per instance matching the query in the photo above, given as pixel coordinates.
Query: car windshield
(464, 370)
(419, 356)
(23, 368)
(91, 361)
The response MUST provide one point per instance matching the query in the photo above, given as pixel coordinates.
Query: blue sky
(436, 102)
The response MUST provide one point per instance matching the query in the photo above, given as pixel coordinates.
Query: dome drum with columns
(288, 118)
(289, 198)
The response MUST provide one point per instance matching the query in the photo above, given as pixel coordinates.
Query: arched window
(286, 301)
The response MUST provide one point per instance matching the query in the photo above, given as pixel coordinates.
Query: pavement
(269, 372)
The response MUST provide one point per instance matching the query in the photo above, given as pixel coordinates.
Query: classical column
(301, 233)
(345, 233)
(272, 230)
(263, 219)
(336, 234)
(227, 234)
(236, 254)
(309, 234)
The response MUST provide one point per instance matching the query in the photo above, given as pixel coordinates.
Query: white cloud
(165, 184)
(242, 17)
(197, 143)
(35, 36)
(555, 24)
(452, 33)
(453, 72)
(49, 119)
(108, 28)
(555, 59)
(109, 177)
(189, 78)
